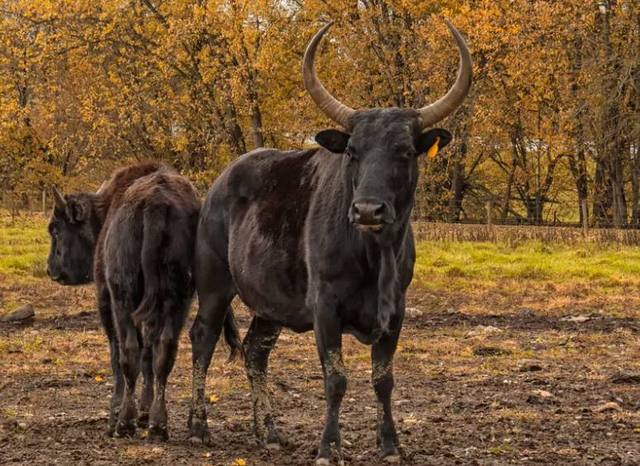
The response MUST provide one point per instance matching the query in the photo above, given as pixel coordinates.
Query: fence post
(44, 202)
(585, 219)
(488, 206)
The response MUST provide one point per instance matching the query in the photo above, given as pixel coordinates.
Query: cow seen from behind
(135, 238)
(320, 240)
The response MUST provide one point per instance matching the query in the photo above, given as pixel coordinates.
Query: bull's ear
(432, 141)
(333, 140)
(77, 210)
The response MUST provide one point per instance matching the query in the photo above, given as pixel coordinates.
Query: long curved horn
(101, 188)
(59, 198)
(443, 107)
(332, 107)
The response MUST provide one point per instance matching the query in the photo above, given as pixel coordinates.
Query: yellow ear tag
(433, 150)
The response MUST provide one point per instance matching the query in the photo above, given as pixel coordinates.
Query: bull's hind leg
(165, 347)
(146, 395)
(215, 292)
(130, 364)
(382, 353)
(204, 334)
(258, 343)
(164, 356)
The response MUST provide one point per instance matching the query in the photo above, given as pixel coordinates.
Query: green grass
(442, 263)
(24, 245)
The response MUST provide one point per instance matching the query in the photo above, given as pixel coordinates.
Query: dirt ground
(479, 380)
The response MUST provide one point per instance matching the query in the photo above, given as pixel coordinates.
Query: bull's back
(160, 208)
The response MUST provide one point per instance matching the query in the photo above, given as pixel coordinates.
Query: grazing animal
(321, 240)
(135, 237)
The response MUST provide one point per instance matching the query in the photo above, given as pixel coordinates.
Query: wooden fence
(514, 234)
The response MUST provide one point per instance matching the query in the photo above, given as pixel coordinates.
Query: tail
(153, 229)
(232, 336)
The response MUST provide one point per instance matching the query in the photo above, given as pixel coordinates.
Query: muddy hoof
(390, 454)
(200, 440)
(158, 434)
(274, 440)
(327, 462)
(125, 430)
(143, 420)
(199, 436)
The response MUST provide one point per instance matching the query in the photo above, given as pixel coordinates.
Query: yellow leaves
(212, 399)
(98, 378)
(239, 462)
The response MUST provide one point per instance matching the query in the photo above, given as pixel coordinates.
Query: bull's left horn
(59, 198)
(443, 107)
(332, 107)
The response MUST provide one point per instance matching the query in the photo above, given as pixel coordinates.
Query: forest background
(550, 133)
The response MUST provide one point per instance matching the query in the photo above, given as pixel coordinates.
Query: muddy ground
(479, 380)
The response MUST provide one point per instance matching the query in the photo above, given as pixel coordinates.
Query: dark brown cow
(320, 240)
(135, 237)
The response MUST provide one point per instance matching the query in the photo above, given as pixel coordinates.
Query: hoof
(327, 462)
(125, 430)
(200, 437)
(143, 420)
(392, 459)
(158, 434)
(197, 440)
(273, 446)
(273, 440)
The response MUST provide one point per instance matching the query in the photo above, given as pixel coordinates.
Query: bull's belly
(271, 295)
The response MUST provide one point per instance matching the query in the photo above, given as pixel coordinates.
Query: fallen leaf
(577, 319)
(239, 462)
(213, 399)
(610, 406)
(99, 378)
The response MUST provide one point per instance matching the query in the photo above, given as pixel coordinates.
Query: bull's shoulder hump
(259, 169)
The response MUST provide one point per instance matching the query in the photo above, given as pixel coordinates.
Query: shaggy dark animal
(136, 237)
(318, 240)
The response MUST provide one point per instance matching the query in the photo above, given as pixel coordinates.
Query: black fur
(314, 240)
(138, 236)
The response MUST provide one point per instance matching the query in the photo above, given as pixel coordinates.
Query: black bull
(317, 239)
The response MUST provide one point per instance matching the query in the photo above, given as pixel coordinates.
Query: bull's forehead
(384, 127)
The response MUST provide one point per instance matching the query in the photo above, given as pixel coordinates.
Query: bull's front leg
(382, 352)
(328, 332)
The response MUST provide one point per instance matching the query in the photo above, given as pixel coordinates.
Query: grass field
(523, 352)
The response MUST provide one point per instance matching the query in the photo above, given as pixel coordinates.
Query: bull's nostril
(368, 213)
